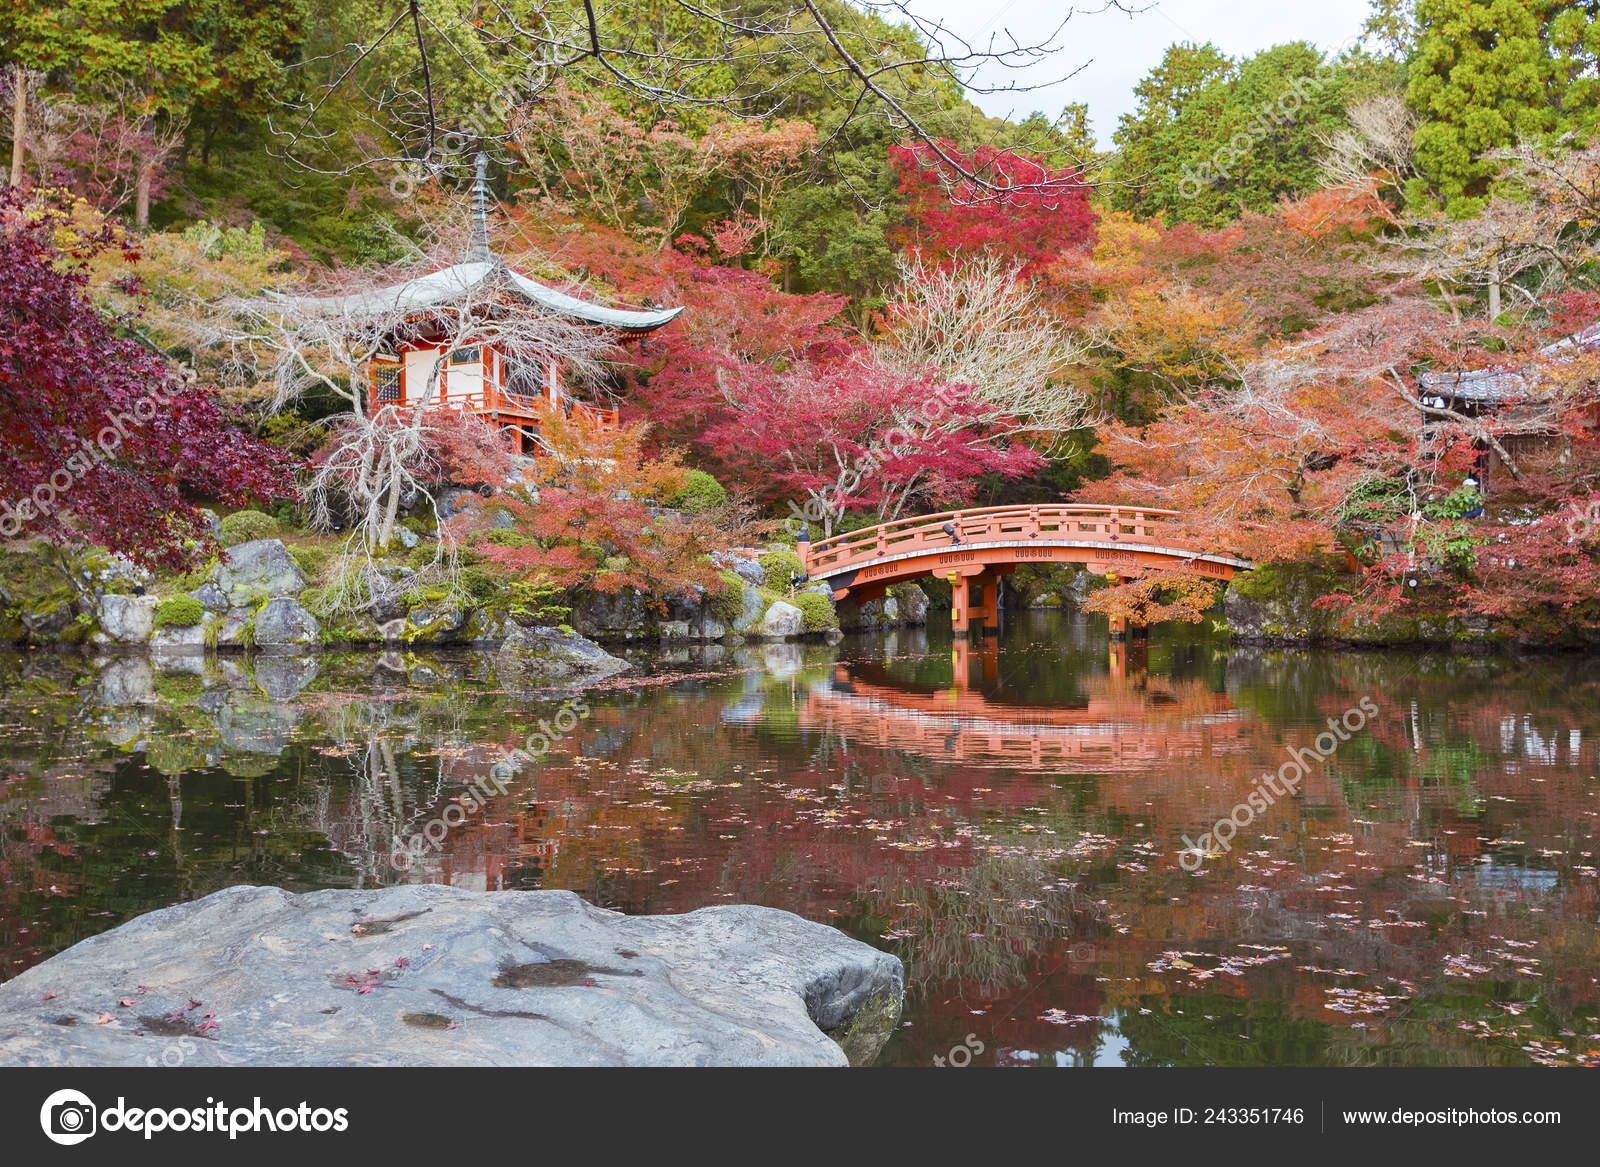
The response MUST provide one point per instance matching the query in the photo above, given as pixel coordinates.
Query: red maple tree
(105, 442)
(856, 435)
(1039, 214)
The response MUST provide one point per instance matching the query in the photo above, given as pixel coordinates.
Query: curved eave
(623, 319)
(462, 280)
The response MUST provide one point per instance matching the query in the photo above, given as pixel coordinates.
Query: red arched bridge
(973, 549)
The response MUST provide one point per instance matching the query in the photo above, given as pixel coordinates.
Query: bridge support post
(960, 605)
(974, 604)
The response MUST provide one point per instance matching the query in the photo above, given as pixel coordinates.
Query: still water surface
(1009, 820)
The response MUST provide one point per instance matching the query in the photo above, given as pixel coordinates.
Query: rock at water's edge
(782, 620)
(430, 975)
(557, 655)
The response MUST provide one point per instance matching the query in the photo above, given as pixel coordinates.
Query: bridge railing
(979, 525)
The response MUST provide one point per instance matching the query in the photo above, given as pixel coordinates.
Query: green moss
(246, 527)
(700, 493)
(179, 612)
(1275, 579)
(420, 524)
(311, 559)
(726, 604)
(196, 578)
(505, 538)
(779, 567)
(478, 586)
(816, 612)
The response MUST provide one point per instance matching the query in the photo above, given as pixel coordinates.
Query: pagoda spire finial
(478, 245)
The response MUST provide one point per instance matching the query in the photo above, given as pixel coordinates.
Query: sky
(1116, 48)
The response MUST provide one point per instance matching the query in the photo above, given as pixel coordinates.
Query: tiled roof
(463, 279)
(481, 267)
(1503, 383)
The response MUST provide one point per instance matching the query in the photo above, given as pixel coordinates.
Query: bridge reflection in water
(1127, 722)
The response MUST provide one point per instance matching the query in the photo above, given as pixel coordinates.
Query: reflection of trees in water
(1467, 806)
(986, 927)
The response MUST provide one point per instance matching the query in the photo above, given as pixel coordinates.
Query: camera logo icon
(68, 1117)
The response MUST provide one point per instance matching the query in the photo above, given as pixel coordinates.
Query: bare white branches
(1374, 144)
(433, 79)
(980, 324)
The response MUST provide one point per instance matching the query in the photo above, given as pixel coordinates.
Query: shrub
(290, 516)
(816, 611)
(291, 432)
(246, 527)
(190, 580)
(311, 560)
(779, 567)
(505, 538)
(478, 586)
(726, 604)
(179, 612)
(700, 493)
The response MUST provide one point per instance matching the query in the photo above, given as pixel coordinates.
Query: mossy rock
(505, 537)
(311, 559)
(178, 612)
(726, 603)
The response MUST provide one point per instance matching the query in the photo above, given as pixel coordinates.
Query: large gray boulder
(552, 654)
(781, 621)
(425, 975)
(211, 597)
(188, 639)
(755, 605)
(259, 570)
(880, 613)
(125, 619)
(282, 622)
(748, 570)
(625, 614)
(913, 604)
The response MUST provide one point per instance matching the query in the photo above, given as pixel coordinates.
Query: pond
(1069, 842)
